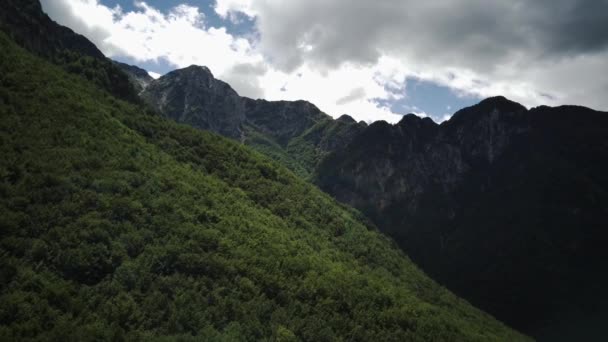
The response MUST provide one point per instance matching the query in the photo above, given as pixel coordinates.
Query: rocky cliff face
(193, 96)
(386, 164)
(283, 120)
(503, 205)
(139, 78)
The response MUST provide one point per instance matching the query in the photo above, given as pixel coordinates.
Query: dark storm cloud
(474, 33)
(573, 26)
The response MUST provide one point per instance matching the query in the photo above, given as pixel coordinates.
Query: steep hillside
(117, 224)
(26, 23)
(295, 133)
(503, 205)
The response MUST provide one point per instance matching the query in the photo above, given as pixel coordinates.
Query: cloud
(355, 94)
(154, 75)
(244, 77)
(227, 8)
(518, 48)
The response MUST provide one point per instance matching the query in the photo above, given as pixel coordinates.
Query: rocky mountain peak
(195, 70)
(493, 108)
(415, 121)
(193, 96)
(195, 75)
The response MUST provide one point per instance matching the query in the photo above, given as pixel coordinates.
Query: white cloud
(523, 49)
(224, 8)
(325, 90)
(154, 75)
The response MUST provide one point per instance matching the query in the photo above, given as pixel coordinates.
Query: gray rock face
(137, 76)
(283, 120)
(193, 96)
(387, 164)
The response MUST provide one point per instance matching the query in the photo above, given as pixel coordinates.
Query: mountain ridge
(280, 129)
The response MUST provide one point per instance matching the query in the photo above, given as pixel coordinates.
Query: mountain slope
(121, 225)
(509, 199)
(295, 133)
(26, 23)
(503, 205)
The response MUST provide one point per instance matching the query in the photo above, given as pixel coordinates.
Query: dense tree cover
(116, 224)
(318, 141)
(268, 146)
(302, 153)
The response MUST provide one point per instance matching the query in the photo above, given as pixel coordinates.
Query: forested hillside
(117, 224)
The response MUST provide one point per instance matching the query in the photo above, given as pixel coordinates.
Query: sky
(373, 60)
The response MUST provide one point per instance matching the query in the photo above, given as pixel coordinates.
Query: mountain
(118, 224)
(26, 23)
(499, 203)
(295, 133)
(505, 206)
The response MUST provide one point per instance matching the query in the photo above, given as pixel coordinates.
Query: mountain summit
(193, 96)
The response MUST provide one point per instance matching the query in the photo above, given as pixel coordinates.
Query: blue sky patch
(431, 98)
(241, 27)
